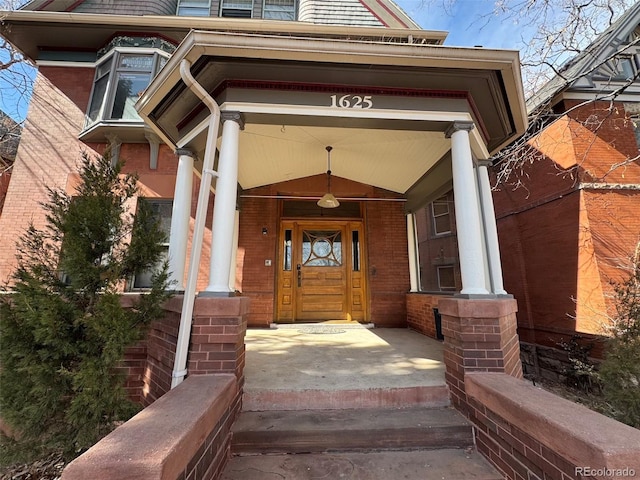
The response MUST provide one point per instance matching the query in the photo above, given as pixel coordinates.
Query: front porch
(332, 366)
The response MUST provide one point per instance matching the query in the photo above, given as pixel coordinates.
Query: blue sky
(469, 22)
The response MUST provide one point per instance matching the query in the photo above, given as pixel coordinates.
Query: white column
(491, 231)
(224, 206)
(234, 253)
(468, 225)
(413, 254)
(180, 215)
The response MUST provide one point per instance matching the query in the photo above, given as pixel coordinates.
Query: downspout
(184, 333)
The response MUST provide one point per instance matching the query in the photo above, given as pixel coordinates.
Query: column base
(480, 335)
(484, 296)
(207, 294)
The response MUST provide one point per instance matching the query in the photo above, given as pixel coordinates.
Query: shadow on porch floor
(334, 366)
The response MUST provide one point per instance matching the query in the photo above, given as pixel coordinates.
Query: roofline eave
(201, 43)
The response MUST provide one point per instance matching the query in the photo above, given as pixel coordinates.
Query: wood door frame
(356, 295)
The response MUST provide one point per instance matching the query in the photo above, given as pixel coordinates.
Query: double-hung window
(441, 215)
(194, 8)
(162, 212)
(121, 77)
(279, 10)
(236, 8)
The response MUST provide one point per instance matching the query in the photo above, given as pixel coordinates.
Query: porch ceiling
(389, 159)
(287, 89)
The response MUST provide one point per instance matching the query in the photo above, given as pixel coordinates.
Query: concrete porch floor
(338, 366)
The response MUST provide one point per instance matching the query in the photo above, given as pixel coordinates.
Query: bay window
(121, 77)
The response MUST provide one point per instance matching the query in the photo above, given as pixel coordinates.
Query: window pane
(321, 249)
(440, 208)
(194, 8)
(287, 250)
(356, 250)
(236, 8)
(143, 279)
(97, 99)
(442, 224)
(129, 87)
(279, 9)
(136, 62)
(446, 278)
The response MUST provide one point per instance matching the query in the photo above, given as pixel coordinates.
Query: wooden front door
(320, 276)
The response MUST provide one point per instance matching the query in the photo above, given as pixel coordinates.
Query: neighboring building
(407, 119)
(575, 224)
(9, 140)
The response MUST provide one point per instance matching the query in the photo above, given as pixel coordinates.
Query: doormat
(321, 330)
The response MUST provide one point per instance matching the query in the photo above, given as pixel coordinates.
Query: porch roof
(288, 89)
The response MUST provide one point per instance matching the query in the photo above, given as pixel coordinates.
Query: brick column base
(217, 336)
(479, 336)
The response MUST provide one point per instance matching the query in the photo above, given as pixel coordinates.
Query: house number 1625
(351, 101)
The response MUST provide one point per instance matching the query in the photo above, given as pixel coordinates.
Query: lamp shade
(328, 201)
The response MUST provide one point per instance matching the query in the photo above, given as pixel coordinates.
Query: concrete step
(264, 399)
(349, 430)
(445, 464)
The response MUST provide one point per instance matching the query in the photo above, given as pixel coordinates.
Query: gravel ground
(49, 468)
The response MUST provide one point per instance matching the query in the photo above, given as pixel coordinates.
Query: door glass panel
(355, 239)
(321, 248)
(287, 250)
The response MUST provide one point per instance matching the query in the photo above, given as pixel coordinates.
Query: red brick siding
(559, 256)
(74, 83)
(420, 314)
(387, 248)
(48, 152)
(387, 257)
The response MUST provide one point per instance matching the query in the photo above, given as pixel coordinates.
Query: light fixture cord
(329, 169)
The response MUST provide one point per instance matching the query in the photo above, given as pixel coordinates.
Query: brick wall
(553, 232)
(387, 248)
(480, 336)
(420, 314)
(198, 414)
(387, 256)
(48, 152)
(559, 441)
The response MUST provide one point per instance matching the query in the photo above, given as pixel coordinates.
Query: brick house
(573, 227)
(273, 85)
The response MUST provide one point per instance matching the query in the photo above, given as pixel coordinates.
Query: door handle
(299, 268)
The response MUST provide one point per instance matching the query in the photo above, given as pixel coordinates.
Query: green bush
(620, 371)
(62, 325)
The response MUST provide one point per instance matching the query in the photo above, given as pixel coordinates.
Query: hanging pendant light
(328, 200)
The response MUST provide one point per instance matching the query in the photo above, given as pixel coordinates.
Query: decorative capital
(234, 117)
(456, 126)
(484, 163)
(186, 152)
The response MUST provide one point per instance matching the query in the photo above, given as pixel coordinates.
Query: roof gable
(601, 66)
